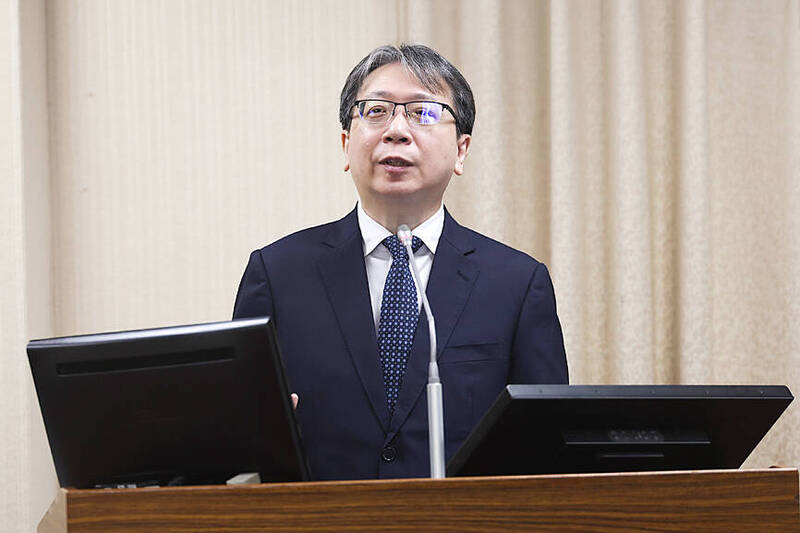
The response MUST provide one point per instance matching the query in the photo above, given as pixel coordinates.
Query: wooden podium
(718, 500)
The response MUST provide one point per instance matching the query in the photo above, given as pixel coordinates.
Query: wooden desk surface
(711, 501)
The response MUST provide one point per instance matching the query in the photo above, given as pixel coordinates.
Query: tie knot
(396, 248)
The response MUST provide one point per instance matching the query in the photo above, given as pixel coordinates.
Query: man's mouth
(395, 162)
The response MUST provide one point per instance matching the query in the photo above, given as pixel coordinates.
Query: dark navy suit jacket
(496, 324)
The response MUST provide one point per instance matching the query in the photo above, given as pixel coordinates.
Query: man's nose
(398, 129)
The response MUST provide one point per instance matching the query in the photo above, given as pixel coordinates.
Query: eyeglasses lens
(375, 112)
(424, 112)
(378, 112)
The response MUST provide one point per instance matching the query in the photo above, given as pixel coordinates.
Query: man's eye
(376, 111)
(425, 113)
(417, 112)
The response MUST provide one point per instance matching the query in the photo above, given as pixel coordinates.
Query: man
(346, 309)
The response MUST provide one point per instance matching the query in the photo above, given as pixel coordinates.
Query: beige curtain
(647, 151)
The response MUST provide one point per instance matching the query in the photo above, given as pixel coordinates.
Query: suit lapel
(452, 277)
(345, 278)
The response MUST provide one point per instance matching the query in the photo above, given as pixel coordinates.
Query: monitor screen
(558, 429)
(194, 404)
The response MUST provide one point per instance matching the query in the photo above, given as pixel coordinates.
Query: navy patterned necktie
(399, 314)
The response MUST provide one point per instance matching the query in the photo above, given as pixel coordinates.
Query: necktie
(398, 319)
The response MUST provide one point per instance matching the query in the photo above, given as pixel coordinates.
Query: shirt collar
(372, 233)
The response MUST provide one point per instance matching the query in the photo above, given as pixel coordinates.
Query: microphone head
(404, 234)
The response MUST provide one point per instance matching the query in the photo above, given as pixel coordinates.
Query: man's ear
(463, 150)
(345, 149)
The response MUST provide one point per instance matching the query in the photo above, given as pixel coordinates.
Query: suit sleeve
(538, 354)
(254, 297)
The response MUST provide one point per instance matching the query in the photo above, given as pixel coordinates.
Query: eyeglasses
(379, 112)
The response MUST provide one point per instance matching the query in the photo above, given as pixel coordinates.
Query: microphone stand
(435, 407)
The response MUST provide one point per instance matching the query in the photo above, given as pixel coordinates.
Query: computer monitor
(193, 404)
(558, 429)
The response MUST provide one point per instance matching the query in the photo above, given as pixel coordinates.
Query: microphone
(435, 408)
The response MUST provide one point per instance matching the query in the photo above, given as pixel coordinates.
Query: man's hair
(429, 67)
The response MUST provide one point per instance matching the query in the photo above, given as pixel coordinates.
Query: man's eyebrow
(387, 95)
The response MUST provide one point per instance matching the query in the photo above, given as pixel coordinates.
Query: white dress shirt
(378, 260)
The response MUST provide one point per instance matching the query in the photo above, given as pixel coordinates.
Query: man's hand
(295, 400)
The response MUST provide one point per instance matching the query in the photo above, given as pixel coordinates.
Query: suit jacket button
(389, 454)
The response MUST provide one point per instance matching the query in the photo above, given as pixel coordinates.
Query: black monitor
(194, 404)
(558, 429)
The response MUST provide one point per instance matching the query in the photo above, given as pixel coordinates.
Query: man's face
(399, 163)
